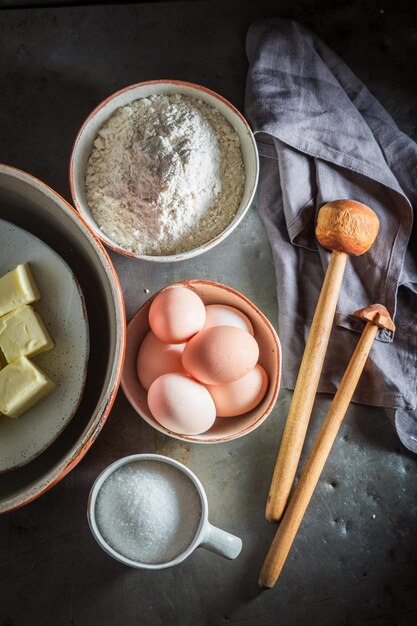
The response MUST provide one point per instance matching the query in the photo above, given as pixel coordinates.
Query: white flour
(165, 175)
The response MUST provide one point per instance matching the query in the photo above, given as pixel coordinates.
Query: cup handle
(220, 542)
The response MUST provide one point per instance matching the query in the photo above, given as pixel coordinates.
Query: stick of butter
(22, 333)
(17, 287)
(22, 385)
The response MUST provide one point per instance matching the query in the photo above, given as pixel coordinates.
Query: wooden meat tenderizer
(376, 316)
(347, 228)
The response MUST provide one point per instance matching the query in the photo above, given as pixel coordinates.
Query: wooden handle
(305, 389)
(287, 530)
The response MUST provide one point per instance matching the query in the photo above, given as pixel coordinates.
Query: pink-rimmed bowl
(84, 144)
(224, 428)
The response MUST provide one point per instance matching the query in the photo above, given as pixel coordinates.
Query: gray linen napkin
(322, 136)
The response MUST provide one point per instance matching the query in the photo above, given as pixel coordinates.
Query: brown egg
(181, 404)
(176, 314)
(241, 395)
(220, 354)
(155, 357)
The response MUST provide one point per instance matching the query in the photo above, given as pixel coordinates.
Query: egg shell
(155, 357)
(224, 315)
(220, 354)
(181, 404)
(241, 395)
(176, 314)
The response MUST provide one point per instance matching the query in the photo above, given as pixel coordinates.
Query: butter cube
(17, 287)
(22, 333)
(22, 385)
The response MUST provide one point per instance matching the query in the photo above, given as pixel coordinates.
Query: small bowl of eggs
(203, 364)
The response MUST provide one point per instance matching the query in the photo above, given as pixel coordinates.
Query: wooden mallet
(376, 316)
(347, 228)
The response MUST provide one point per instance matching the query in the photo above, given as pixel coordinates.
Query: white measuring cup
(207, 536)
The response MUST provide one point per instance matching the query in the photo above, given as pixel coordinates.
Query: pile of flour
(165, 175)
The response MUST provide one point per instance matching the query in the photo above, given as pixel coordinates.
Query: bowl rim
(57, 472)
(218, 439)
(170, 258)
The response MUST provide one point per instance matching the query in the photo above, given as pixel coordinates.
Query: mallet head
(377, 314)
(347, 226)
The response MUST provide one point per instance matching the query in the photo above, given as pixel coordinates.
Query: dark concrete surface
(354, 561)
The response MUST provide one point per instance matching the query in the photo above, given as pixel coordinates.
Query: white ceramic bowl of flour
(84, 146)
(150, 512)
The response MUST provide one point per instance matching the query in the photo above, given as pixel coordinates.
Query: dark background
(355, 559)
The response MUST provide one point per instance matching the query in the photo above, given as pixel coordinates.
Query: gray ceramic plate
(28, 203)
(62, 309)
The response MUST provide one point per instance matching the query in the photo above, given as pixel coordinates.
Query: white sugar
(148, 511)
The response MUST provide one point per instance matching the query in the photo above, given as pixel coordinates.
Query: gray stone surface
(354, 561)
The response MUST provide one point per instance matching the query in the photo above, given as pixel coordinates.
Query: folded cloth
(322, 136)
